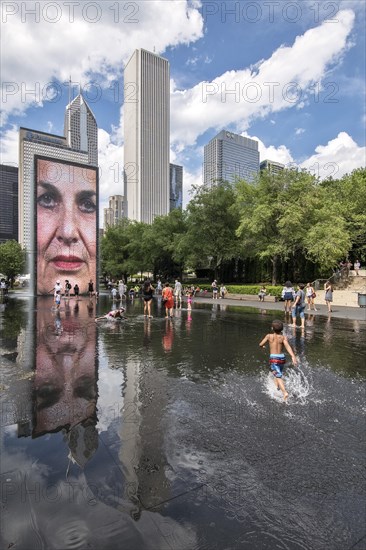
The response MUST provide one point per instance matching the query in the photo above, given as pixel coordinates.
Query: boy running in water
(277, 358)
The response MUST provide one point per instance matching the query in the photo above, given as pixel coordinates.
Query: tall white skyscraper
(146, 136)
(80, 128)
(229, 156)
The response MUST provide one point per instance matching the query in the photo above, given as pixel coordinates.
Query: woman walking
(147, 294)
(168, 300)
(328, 295)
(288, 295)
(310, 295)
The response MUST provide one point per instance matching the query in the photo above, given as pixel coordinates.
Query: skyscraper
(9, 203)
(272, 166)
(146, 136)
(115, 211)
(80, 128)
(229, 156)
(176, 186)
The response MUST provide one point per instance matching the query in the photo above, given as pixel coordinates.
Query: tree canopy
(286, 219)
(12, 259)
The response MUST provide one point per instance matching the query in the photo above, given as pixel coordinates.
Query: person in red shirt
(168, 300)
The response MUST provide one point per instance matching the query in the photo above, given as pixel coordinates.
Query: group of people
(170, 297)
(218, 291)
(295, 300)
(59, 290)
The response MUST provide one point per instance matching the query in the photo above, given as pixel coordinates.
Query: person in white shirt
(178, 293)
(356, 266)
(57, 287)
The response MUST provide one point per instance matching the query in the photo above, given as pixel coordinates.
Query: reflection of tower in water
(142, 436)
(65, 383)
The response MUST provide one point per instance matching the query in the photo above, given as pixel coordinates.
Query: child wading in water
(277, 358)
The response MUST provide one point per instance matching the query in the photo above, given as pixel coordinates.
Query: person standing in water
(298, 307)
(168, 300)
(147, 294)
(288, 294)
(277, 359)
(328, 289)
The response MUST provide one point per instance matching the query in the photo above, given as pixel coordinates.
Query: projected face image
(66, 224)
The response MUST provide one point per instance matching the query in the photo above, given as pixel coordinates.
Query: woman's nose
(68, 230)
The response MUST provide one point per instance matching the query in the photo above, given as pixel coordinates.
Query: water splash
(297, 382)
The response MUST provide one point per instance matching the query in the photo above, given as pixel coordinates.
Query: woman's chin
(46, 283)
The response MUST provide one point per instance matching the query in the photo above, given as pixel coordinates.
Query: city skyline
(296, 84)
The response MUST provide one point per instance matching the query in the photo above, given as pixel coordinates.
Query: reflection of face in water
(66, 224)
(65, 377)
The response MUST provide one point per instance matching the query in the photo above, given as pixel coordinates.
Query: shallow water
(151, 433)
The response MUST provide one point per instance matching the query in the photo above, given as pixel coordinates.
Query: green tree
(122, 249)
(291, 215)
(348, 197)
(212, 220)
(12, 260)
(163, 236)
(276, 212)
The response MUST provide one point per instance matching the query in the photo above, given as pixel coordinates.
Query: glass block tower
(229, 156)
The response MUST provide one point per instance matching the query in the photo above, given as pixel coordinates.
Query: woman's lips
(67, 263)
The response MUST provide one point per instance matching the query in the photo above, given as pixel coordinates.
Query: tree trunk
(274, 269)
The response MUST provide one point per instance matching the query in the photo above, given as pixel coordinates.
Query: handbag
(313, 295)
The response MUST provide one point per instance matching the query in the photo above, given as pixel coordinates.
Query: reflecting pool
(169, 434)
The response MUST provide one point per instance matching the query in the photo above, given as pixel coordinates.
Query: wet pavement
(169, 434)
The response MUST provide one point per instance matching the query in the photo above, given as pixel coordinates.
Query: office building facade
(272, 166)
(9, 203)
(80, 129)
(146, 136)
(115, 211)
(228, 157)
(175, 186)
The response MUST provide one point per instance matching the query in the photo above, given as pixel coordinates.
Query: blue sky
(296, 71)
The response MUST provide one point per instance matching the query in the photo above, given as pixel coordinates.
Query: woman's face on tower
(66, 224)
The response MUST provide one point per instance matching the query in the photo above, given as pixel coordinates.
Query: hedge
(248, 289)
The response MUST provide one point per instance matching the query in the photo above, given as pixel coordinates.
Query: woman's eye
(47, 200)
(87, 206)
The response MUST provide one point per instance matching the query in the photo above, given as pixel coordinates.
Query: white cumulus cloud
(60, 39)
(339, 156)
(282, 81)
